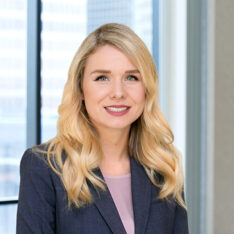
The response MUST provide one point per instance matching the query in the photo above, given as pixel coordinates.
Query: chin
(118, 126)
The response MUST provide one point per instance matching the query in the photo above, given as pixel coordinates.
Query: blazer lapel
(107, 208)
(141, 196)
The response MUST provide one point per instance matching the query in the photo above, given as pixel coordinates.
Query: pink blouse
(120, 189)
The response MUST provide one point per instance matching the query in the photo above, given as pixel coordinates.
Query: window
(12, 104)
(63, 29)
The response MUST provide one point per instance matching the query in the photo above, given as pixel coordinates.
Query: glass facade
(137, 14)
(12, 93)
(63, 29)
(12, 105)
(8, 219)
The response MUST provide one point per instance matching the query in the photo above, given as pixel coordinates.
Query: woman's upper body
(43, 205)
(110, 123)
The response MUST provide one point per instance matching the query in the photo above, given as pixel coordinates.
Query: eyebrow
(108, 71)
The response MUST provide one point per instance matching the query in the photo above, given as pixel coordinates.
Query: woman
(112, 168)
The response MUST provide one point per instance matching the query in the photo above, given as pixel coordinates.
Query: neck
(114, 145)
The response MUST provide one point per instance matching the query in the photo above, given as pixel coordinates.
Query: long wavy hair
(75, 152)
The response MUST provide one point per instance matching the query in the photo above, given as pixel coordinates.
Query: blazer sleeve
(36, 206)
(181, 221)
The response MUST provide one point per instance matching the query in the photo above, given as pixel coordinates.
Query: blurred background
(192, 45)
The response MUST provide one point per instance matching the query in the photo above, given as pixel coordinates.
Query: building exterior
(136, 14)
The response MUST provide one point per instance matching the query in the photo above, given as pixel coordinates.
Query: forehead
(108, 57)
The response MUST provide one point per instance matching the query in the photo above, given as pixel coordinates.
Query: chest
(158, 218)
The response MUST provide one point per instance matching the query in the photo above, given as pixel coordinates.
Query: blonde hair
(150, 139)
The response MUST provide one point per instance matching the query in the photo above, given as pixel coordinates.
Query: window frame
(33, 122)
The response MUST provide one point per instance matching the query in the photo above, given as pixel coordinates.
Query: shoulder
(36, 172)
(34, 154)
(36, 164)
(37, 193)
(35, 158)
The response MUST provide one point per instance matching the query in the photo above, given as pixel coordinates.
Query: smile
(116, 109)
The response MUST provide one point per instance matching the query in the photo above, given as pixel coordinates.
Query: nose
(117, 89)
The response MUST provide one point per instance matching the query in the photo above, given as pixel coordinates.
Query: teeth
(115, 109)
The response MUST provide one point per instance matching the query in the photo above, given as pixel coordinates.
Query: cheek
(93, 97)
(139, 95)
(91, 93)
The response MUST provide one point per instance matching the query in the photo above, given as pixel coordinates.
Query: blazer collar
(106, 206)
(141, 198)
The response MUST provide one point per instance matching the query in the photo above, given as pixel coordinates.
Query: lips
(117, 108)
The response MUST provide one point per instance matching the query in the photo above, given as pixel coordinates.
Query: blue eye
(101, 78)
(132, 78)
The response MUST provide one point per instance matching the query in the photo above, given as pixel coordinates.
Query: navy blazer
(42, 207)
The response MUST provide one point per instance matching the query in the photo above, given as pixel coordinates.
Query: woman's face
(113, 89)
